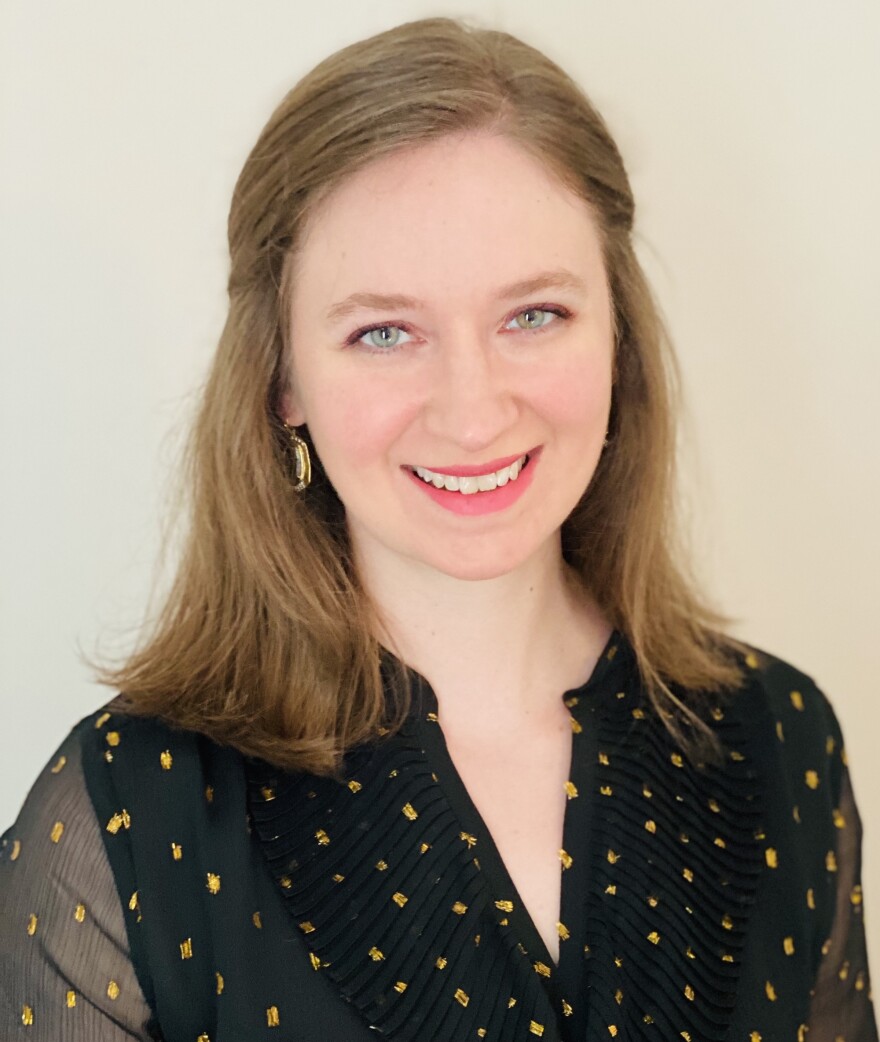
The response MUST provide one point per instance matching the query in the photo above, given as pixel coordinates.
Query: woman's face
(451, 317)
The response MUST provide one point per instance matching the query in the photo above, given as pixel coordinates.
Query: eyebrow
(560, 278)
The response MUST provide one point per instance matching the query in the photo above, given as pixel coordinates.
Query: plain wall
(751, 135)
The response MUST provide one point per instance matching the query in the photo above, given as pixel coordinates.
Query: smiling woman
(434, 739)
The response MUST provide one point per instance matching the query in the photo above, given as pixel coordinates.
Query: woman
(434, 740)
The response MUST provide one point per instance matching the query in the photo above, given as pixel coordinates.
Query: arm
(65, 970)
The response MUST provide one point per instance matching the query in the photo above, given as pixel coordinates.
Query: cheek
(575, 395)
(355, 418)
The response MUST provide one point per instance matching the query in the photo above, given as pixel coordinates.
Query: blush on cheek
(354, 424)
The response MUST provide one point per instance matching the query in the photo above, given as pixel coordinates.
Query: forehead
(445, 216)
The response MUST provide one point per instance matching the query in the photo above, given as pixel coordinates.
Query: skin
(483, 606)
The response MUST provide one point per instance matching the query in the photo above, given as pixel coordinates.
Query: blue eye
(537, 318)
(379, 338)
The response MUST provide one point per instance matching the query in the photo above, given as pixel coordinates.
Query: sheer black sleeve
(65, 970)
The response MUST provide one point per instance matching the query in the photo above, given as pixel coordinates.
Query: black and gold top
(159, 886)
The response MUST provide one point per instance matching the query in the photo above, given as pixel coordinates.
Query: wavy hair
(266, 640)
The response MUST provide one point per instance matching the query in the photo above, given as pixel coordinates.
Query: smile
(473, 484)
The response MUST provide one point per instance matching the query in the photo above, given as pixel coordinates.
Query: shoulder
(795, 724)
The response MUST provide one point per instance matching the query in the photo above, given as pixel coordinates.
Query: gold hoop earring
(302, 460)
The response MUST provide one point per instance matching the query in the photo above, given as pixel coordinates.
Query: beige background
(751, 134)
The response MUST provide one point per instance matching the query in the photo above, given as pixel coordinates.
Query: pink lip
(480, 468)
(481, 502)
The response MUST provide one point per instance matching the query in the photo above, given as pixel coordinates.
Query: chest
(521, 787)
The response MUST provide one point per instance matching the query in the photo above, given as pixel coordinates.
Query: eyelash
(552, 309)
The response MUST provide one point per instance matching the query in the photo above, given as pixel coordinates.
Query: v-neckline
(576, 824)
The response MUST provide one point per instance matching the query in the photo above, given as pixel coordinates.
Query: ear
(290, 410)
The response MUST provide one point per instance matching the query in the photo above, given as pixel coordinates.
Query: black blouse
(157, 885)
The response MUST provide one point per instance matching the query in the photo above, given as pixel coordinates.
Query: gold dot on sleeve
(755, 1036)
(575, 726)
(375, 954)
(102, 719)
(108, 756)
(481, 1032)
(796, 813)
(727, 922)
(70, 999)
(57, 831)
(462, 997)
(176, 851)
(209, 793)
(654, 937)
(79, 913)
(542, 969)
(27, 1016)
(802, 1033)
(59, 765)
(315, 961)
(567, 1010)
(307, 926)
(612, 856)
(830, 861)
(213, 883)
(459, 908)
(399, 899)
(186, 948)
(788, 945)
(257, 921)
(504, 906)
(651, 826)
(689, 993)
(570, 790)
(839, 819)
(400, 987)
(811, 899)
(688, 874)
(855, 896)
(780, 734)
(268, 793)
(272, 1018)
(32, 925)
(166, 760)
(120, 820)
(612, 1030)
(409, 811)
(466, 837)
(562, 930)
(322, 838)
(113, 991)
(16, 850)
(771, 857)
(355, 786)
(603, 759)
(440, 963)
(536, 1029)
(112, 738)
(812, 779)
(770, 991)
(203, 1038)
(286, 882)
(381, 865)
(221, 984)
(606, 790)
(797, 700)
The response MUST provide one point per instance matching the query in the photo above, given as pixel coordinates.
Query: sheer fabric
(65, 970)
(68, 913)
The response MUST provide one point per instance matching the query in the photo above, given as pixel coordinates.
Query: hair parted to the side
(267, 639)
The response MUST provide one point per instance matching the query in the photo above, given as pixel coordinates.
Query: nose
(472, 400)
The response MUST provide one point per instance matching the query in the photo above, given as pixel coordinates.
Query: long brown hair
(267, 638)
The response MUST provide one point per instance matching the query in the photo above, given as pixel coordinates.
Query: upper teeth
(478, 483)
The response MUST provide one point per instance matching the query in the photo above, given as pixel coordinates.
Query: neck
(515, 642)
